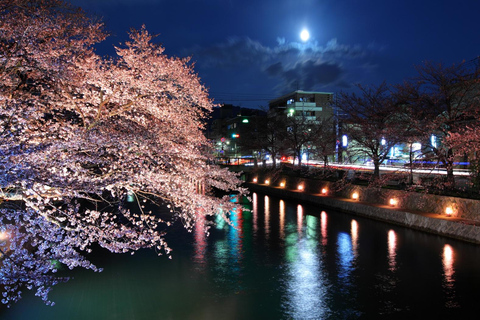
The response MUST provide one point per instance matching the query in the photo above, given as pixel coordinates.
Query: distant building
(310, 104)
(230, 131)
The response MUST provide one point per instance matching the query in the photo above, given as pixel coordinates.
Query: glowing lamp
(355, 196)
(393, 202)
(267, 181)
(324, 191)
(254, 180)
(282, 184)
(300, 187)
(448, 211)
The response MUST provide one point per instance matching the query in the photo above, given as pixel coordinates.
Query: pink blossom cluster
(80, 133)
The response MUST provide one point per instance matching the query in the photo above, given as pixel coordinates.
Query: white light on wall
(433, 141)
(344, 140)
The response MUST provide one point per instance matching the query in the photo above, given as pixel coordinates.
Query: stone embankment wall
(415, 210)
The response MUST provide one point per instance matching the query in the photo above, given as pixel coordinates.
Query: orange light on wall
(267, 181)
(324, 191)
(282, 184)
(393, 202)
(449, 211)
(355, 196)
(300, 187)
(254, 180)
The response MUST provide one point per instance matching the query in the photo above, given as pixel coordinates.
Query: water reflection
(267, 217)
(354, 231)
(366, 271)
(345, 257)
(228, 253)
(392, 250)
(323, 221)
(200, 245)
(255, 213)
(299, 220)
(448, 259)
(282, 219)
(311, 228)
(306, 283)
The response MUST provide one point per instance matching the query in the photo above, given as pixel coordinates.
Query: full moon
(304, 35)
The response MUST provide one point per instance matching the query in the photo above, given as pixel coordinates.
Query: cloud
(291, 65)
(233, 53)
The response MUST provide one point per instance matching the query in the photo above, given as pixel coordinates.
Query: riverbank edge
(450, 227)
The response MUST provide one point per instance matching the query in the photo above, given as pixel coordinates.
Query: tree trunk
(411, 165)
(376, 170)
(449, 168)
(299, 156)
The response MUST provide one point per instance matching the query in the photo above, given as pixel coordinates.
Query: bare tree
(324, 139)
(300, 133)
(370, 120)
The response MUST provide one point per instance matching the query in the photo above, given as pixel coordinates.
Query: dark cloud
(307, 74)
(291, 65)
(233, 53)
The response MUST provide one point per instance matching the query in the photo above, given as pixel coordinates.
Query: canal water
(281, 260)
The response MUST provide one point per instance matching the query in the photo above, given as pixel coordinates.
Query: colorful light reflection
(447, 261)
(267, 217)
(354, 231)
(323, 226)
(282, 219)
(299, 219)
(392, 250)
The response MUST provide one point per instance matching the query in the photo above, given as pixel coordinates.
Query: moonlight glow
(304, 35)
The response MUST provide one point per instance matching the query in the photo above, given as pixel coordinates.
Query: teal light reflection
(306, 282)
(228, 253)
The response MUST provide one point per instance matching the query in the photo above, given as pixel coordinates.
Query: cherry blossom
(81, 134)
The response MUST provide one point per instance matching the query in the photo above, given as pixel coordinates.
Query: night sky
(248, 52)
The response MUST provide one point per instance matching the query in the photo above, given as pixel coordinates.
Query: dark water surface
(284, 260)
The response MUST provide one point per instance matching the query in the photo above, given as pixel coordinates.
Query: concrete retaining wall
(430, 222)
(410, 201)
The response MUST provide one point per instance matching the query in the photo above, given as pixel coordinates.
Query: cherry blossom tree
(80, 134)
(441, 99)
